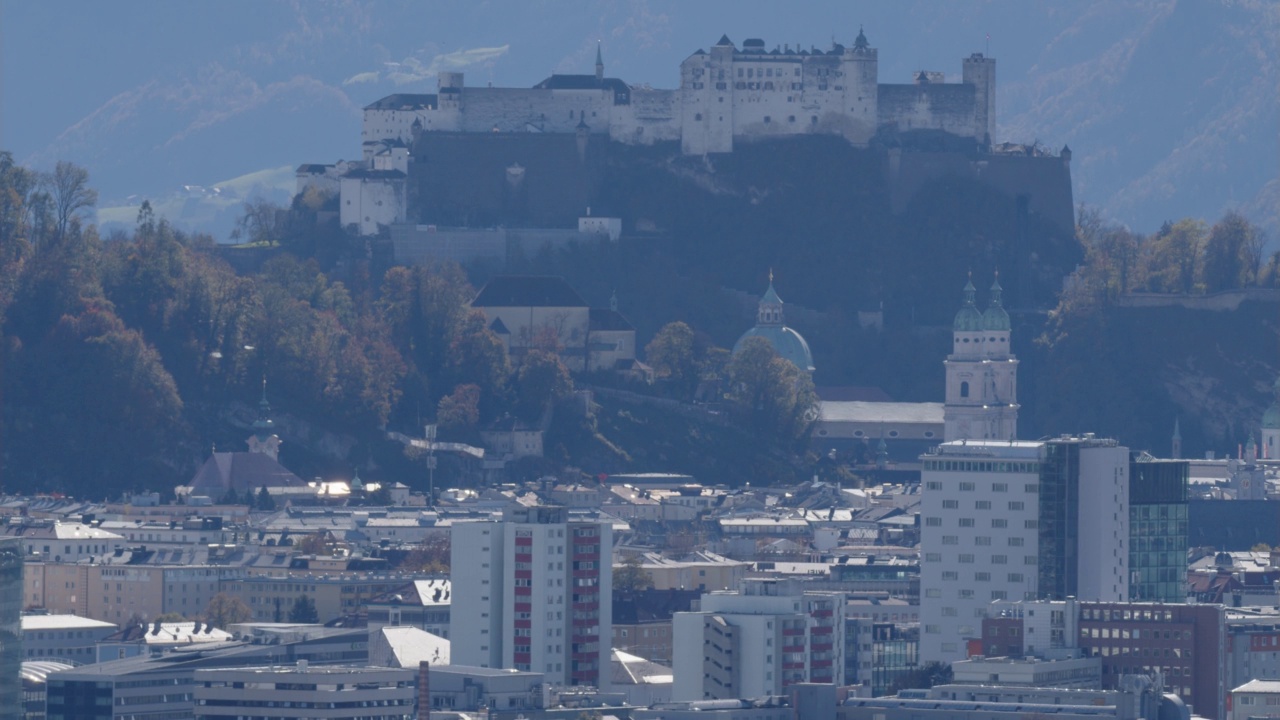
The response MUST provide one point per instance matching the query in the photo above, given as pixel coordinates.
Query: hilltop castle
(726, 95)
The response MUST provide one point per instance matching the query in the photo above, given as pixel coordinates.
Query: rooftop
(61, 622)
(876, 412)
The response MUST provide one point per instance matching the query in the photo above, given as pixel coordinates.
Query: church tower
(1270, 449)
(982, 379)
(264, 440)
(599, 63)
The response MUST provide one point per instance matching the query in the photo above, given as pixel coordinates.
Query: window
(933, 557)
(982, 505)
(966, 487)
(1017, 505)
(966, 522)
(950, 575)
(999, 487)
(933, 521)
(982, 576)
(966, 558)
(932, 484)
(1031, 524)
(964, 389)
(982, 540)
(1015, 542)
(999, 523)
(999, 559)
(951, 504)
(950, 540)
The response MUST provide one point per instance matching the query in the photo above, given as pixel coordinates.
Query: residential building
(301, 691)
(423, 604)
(538, 596)
(755, 643)
(878, 654)
(464, 688)
(1256, 699)
(68, 542)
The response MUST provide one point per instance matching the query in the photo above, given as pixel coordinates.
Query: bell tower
(982, 372)
(264, 439)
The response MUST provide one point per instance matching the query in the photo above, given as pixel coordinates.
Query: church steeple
(599, 62)
(996, 318)
(264, 440)
(1176, 440)
(982, 382)
(769, 311)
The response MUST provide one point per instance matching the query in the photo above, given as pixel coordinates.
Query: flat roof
(61, 622)
(929, 413)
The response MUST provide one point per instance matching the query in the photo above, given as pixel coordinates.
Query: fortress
(449, 145)
(727, 95)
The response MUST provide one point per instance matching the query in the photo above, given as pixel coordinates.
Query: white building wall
(979, 538)
(475, 616)
(1102, 571)
(369, 202)
(982, 365)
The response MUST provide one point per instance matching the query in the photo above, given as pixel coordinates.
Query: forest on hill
(125, 359)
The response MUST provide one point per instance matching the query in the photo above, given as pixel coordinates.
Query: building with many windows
(1158, 529)
(300, 691)
(755, 643)
(1009, 520)
(537, 595)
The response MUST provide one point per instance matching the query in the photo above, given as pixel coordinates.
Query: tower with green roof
(264, 439)
(982, 372)
(789, 344)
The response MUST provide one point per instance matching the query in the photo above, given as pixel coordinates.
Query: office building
(536, 595)
(1018, 520)
(1158, 529)
(300, 691)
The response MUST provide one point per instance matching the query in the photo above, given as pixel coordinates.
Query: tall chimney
(424, 690)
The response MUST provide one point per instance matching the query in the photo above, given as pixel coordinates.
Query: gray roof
(887, 412)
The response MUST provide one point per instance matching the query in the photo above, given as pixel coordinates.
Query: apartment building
(537, 594)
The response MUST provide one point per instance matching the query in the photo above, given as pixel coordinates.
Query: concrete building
(423, 604)
(537, 597)
(1256, 699)
(314, 693)
(68, 542)
(1081, 673)
(754, 643)
(63, 638)
(1007, 520)
(465, 688)
(1139, 699)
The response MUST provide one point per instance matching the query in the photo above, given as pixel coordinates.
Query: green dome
(995, 318)
(968, 319)
(1271, 418)
(788, 343)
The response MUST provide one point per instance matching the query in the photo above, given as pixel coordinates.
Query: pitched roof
(581, 82)
(244, 471)
(608, 319)
(528, 291)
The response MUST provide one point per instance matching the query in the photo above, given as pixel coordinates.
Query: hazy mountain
(1170, 107)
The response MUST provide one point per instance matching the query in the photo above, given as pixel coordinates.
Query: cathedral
(982, 373)
(788, 343)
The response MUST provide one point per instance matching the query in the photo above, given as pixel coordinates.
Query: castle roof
(403, 101)
(724, 40)
(528, 291)
(582, 82)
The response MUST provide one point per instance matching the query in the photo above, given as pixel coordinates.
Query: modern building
(771, 325)
(878, 654)
(301, 691)
(1140, 698)
(1081, 673)
(982, 372)
(1158, 529)
(11, 553)
(63, 638)
(464, 688)
(164, 686)
(755, 643)
(537, 597)
(1008, 520)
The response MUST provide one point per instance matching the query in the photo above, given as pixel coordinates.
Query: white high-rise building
(534, 592)
(756, 643)
(982, 373)
(1018, 520)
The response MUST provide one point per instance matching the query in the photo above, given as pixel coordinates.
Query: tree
(264, 500)
(1173, 263)
(313, 544)
(262, 223)
(459, 412)
(1228, 260)
(69, 189)
(304, 610)
(631, 577)
(225, 610)
(671, 353)
(476, 356)
(771, 394)
(430, 556)
(543, 379)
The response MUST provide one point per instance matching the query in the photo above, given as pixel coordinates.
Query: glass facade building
(10, 628)
(1158, 529)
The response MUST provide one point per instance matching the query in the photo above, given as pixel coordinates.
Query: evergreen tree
(304, 611)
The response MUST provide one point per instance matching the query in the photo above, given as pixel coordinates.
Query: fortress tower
(982, 380)
(980, 72)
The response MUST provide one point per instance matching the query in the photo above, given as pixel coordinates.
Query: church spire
(264, 439)
(968, 319)
(599, 62)
(996, 317)
(770, 308)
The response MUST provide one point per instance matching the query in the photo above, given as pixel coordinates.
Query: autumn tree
(225, 610)
(1173, 260)
(1228, 253)
(458, 413)
(430, 556)
(770, 393)
(543, 379)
